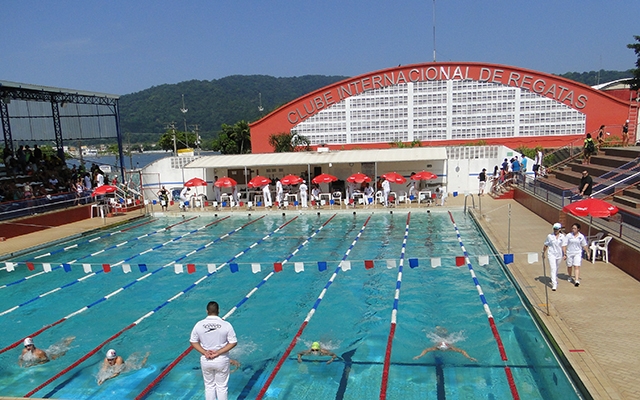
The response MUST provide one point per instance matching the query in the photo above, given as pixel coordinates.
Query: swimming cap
(557, 225)
(28, 341)
(111, 354)
(315, 346)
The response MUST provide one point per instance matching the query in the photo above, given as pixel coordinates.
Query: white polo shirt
(555, 245)
(213, 333)
(574, 244)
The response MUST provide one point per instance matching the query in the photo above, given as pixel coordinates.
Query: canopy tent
(33, 113)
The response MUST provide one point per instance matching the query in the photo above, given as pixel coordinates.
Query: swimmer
(316, 350)
(113, 365)
(33, 356)
(444, 342)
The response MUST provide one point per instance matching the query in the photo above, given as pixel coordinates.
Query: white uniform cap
(28, 341)
(111, 354)
(557, 225)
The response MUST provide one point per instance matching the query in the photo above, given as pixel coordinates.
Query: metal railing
(624, 225)
(22, 208)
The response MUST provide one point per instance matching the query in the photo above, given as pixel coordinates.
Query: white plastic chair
(600, 246)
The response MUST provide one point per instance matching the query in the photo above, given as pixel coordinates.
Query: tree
(234, 139)
(288, 142)
(635, 82)
(166, 141)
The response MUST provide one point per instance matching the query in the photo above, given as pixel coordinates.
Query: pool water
(352, 320)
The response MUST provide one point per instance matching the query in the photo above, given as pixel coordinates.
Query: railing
(624, 225)
(563, 155)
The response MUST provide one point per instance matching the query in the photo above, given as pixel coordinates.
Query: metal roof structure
(33, 113)
(320, 157)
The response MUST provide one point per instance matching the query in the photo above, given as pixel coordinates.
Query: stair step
(629, 152)
(627, 201)
(634, 193)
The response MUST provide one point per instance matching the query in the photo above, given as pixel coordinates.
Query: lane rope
(108, 296)
(158, 308)
(175, 362)
(492, 324)
(62, 249)
(394, 314)
(309, 316)
(38, 297)
(73, 246)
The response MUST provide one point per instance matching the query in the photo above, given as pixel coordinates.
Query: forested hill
(213, 103)
(234, 98)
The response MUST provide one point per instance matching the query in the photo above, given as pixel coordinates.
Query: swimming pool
(352, 319)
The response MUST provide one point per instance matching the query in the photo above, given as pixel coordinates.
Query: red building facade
(442, 104)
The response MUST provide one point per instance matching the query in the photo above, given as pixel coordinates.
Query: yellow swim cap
(315, 346)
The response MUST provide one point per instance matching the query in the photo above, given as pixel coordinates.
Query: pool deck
(595, 325)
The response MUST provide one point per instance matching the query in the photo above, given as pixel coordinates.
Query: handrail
(637, 174)
(473, 201)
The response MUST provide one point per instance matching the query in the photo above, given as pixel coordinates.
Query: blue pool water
(353, 319)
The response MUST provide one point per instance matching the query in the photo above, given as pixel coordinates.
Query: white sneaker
(554, 287)
(577, 283)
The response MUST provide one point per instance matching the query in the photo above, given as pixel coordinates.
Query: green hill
(213, 103)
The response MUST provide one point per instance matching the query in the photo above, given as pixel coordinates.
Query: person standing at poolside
(553, 247)
(316, 350)
(572, 247)
(266, 193)
(482, 176)
(386, 189)
(303, 194)
(216, 190)
(279, 192)
(213, 337)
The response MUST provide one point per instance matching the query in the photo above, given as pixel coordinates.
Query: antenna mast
(184, 117)
(434, 30)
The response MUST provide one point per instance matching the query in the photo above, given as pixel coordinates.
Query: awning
(319, 158)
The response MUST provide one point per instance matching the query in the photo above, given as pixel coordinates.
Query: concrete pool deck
(594, 325)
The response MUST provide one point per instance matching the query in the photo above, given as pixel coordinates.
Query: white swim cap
(111, 354)
(28, 341)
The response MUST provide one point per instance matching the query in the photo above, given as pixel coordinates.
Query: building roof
(307, 157)
(39, 88)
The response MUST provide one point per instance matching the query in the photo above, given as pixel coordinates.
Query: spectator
(586, 184)
(589, 149)
(625, 134)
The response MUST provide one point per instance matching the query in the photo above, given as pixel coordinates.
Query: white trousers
(553, 269)
(216, 376)
(385, 194)
(303, 199)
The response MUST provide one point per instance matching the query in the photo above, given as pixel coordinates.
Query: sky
(124, 46)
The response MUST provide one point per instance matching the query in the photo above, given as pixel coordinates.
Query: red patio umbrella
(195, 182)
(104, 189)
(226, 182)
(394, 177)
(358, 178)
(324, 178)
(423, 176)
(258, 181)
(291, 180)
(591, 207)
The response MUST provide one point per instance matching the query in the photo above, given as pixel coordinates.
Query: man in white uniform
(279, 192)
(303, 194)
(266, 193)
(386, 189)
(213, 337)
(553, 246)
